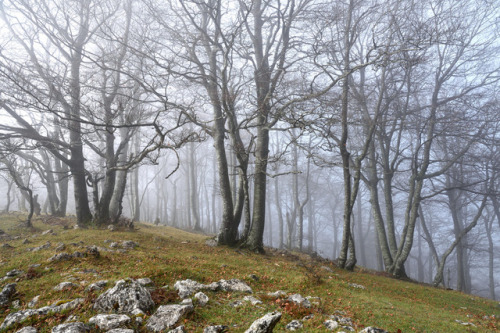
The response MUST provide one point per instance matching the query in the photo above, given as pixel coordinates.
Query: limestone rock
(179, 329)
(7, 246)
(33, 302)
(357, 286)
(65, 285)
(93, 251)
(277, 294)
(186, 288)
(120, 330)
(111, 227)
(342, 320)
(202, 298)
(76, 327)
(127, 296)
(167, 316)
(299, 300)
(128, 244)
(6, 294)
(331, 325)
(14, 272)
(99, 285)
(145, 281)
(17, 317)
(60, 247)
(28, 329)
(265, 324)
(41, 247)
(294, 325)
(215, 329)
(109, 321)
(233, 285)
(252, 300)
(46, 232)
(60, 257)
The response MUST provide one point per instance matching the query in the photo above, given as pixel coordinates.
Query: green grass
(166, 255)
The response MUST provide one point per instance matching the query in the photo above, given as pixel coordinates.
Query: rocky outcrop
(265, 324)
(17, 317)
(127, 296)
(109, 321)
(167, 316)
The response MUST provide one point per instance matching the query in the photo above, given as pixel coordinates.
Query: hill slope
(166, 255)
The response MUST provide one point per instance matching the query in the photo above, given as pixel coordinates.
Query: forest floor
(166, 255)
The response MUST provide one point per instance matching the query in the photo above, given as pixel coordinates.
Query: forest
(366, 132)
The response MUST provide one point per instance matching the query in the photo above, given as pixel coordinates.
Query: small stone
(60, 247)
(128, 244)
(114, 245)
(179, 329)
(26, 241)
(33, 302)
(99, 285)
(201, 298)
(28, 329)
(14, 272)
(65, 286)
(294, 325)
(254, 277)
(7, 246)
(299, 300)
(357, 286)
(265, 324)
(252, 300)
(187, 301)
(111, 227)
(93, 251)
(215, 329)
(76, 327)
(331, 325)
(121, 330)
(372, 330)
(145, 281)
(109, 321)
(46, 232)
(277, 294)
(236, 304)
(16, 304)
(60, 257)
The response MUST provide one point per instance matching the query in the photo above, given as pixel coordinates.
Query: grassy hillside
(166, 255)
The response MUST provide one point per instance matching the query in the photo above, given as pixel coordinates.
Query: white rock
(201, 298)
(109, 321)
(294, 325)
(65, 285)
(28, 329)
(77, 327)
(167, 316)
(127, 296)
(331, 325)
(265, 324)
